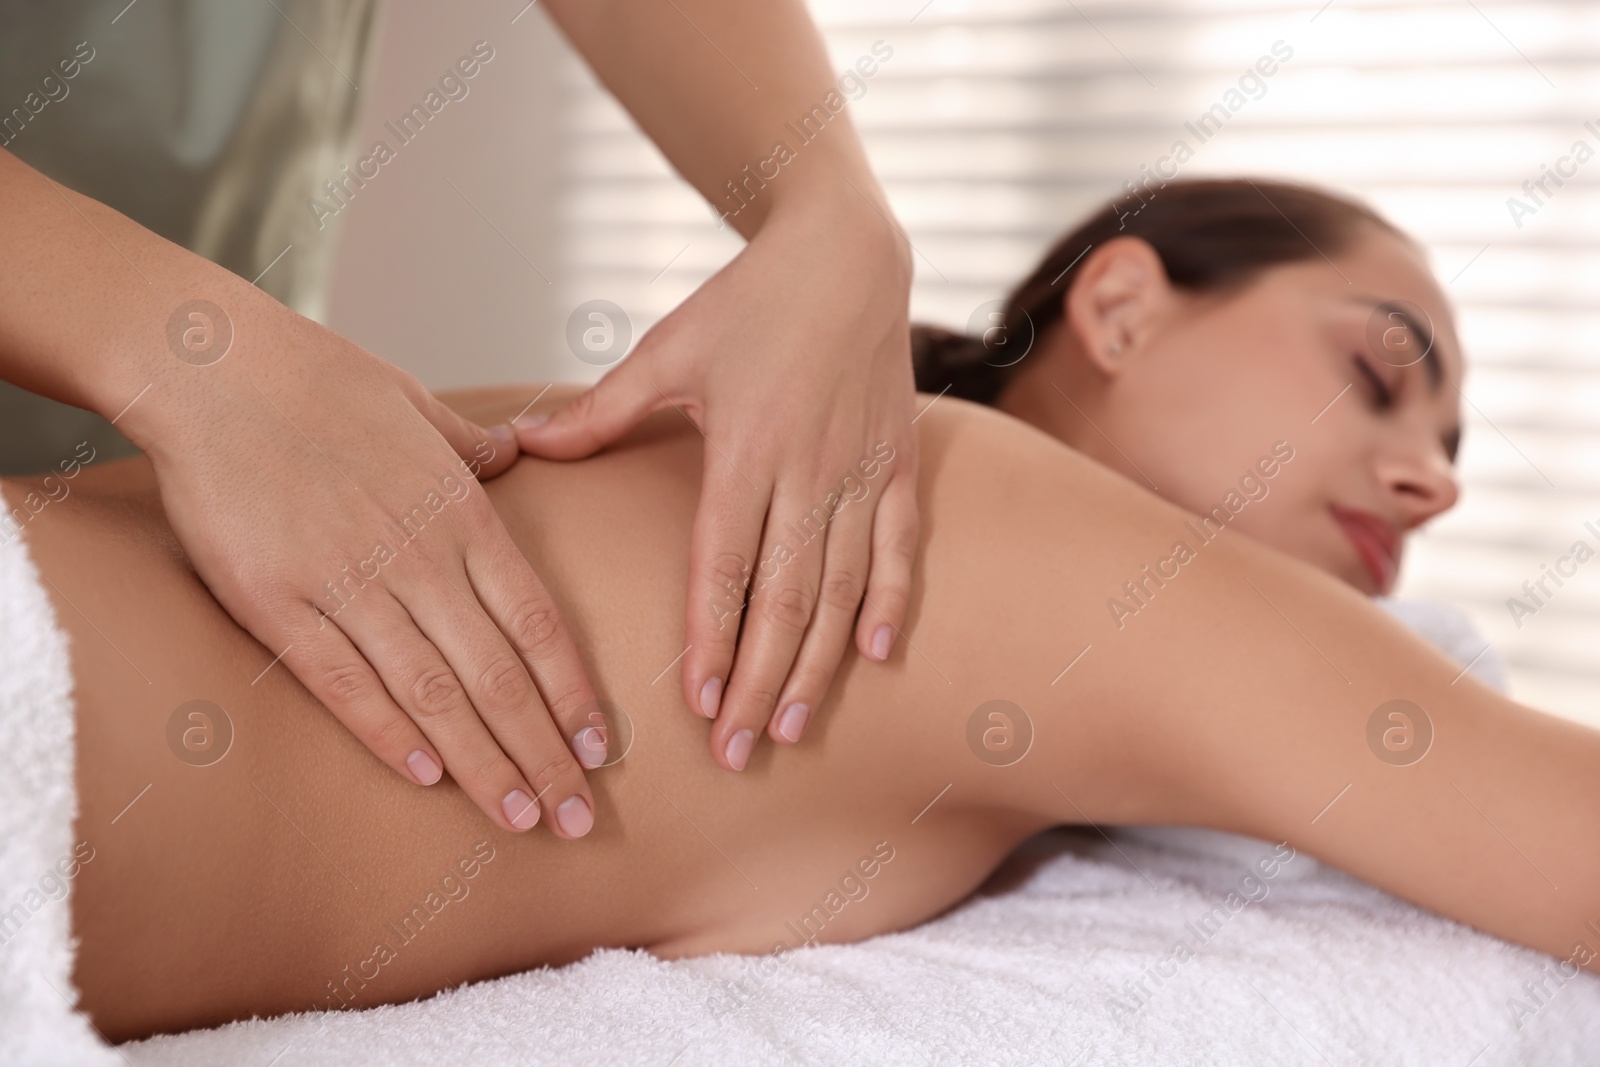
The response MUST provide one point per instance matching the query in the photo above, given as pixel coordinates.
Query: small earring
(1113, 348)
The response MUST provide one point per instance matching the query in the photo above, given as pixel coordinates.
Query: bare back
(298, 872)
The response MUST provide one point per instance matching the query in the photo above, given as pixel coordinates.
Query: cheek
(1217, 394)
(1275, 344)
(1197, 425)
(1233, 383)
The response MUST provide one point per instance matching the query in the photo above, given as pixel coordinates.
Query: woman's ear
(1117, 301)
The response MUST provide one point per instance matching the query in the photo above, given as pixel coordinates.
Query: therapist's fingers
(431, 692)
(337, 674)
(477, 645)
(782, 601)
(722, 561)
(341, 484)
(844, 578)
(894, 552)
(524, 611)
(595, 417)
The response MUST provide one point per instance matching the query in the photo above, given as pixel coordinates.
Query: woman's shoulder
(986, 450)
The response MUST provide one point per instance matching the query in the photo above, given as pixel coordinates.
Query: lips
(1376, 541)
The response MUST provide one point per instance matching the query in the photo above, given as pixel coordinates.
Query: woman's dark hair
(1212, 234)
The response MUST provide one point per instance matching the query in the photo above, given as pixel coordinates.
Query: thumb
(485, 452)
(594, 418)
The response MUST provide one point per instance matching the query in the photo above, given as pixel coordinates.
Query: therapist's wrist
(181, 355)
(88, 295)
(855, 208)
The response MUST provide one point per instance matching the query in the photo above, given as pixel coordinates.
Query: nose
(1419, 479)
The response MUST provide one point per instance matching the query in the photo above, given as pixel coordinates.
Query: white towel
(1070, 955)
(38, 803)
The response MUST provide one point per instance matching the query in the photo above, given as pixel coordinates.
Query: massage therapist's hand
(319, 493)
(329, 503)
(794, 363)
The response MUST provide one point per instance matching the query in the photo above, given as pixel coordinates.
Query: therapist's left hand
(794, 363)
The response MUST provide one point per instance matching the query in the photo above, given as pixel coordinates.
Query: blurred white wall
(422, 278)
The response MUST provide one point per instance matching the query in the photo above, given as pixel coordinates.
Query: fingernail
(590, 745)
(792, 721)
(521, 810)
(502, 432)
(711, 697)
(738, 750)
(424, 767)
(574, 816)
(880, 643)
(531, 422)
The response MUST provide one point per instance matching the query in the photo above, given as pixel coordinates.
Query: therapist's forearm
(713, 83)
(86, 296)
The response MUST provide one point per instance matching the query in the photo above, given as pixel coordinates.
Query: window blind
(994, 126)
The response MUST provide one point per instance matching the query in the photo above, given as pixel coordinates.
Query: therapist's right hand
(329, 503)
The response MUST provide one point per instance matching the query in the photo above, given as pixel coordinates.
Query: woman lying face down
(1200, 341)
(293, 871)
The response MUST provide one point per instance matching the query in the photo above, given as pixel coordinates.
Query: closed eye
(1382, 395)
